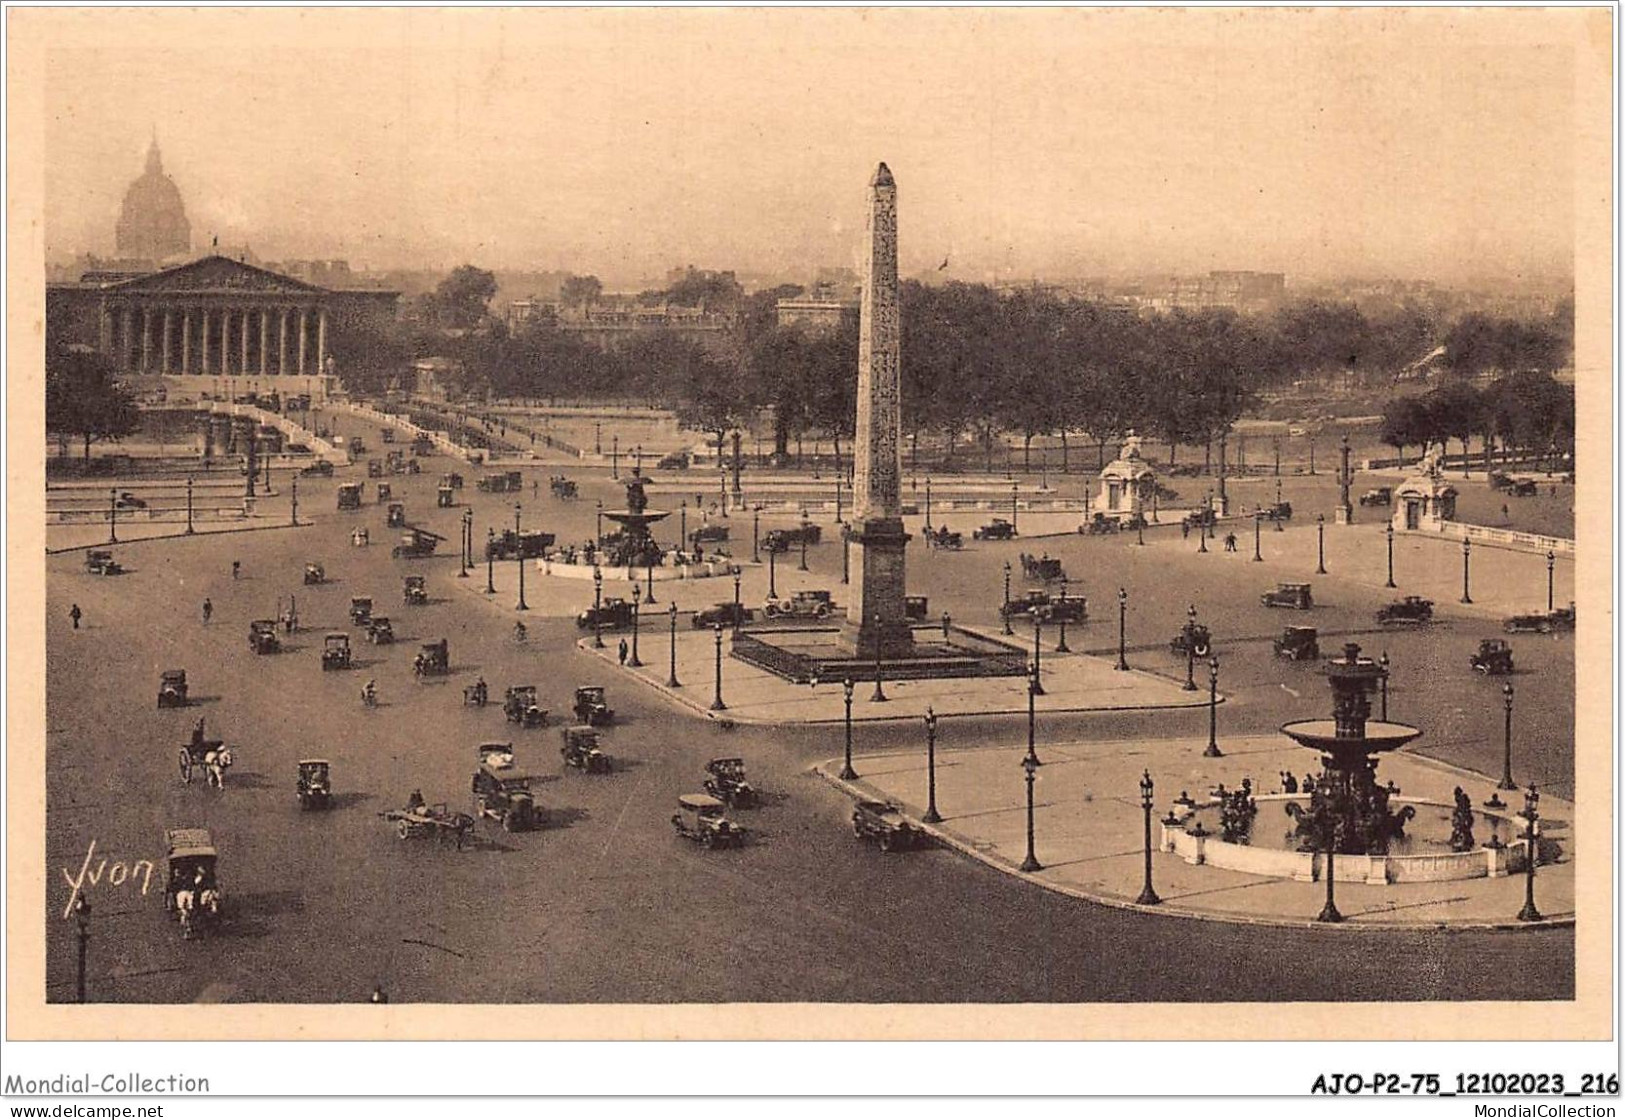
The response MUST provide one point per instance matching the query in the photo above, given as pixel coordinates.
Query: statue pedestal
(876, 614)
(1345, 516)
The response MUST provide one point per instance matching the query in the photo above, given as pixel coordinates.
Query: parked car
(884, 822)
(1295, 596)
(709, 534)
(1038, 602)
(1494, 657)
(782, 540)
(1378, 496)
(1298, 643)
(100, 562)
(996, 530)
(527, 544)
(702, 819)
(610, 614)
(724, 614)
(676, 461)
(321, 467)
(801, 604)
(1525, 488)
(1410, 609)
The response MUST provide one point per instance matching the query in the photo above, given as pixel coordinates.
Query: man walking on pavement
(208, 609)
(622, 651)
(76, 614)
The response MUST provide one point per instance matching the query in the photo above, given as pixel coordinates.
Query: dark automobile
(1298, 643)
(395, 518)
(380, 631)
(320, 467)
(884, 822)
(1378, 496)
(360, 609)
(1525, 488)
(100, 562)
(314, 787)
(801, 604)
(709, 534)
(726, 782)
(580, 749)
(1039, 603)
(725, 614)
(500, 792)
(1494, 657)
(1541, 622)
(996, 530)
(1101, 524)
(415, 591)
(916, 607)
(1498, 480)
(1280, 511)
(416, 544)
(127, 500)
(349, 495)
(1193, 639)
(315, 573)
(703, 819)
(782, 540)
(591, 707)
(262, 636)
(172, 688)
(528, 544)
(610, 614)
(676, 461)
(1295, 596)
(433, 659)
(519, 706)
(1412, 608)
(336, 650)
(1044, 567)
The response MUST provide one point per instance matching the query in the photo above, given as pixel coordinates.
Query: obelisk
(875, 614)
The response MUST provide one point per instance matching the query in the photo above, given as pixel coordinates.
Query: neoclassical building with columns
(223, 326)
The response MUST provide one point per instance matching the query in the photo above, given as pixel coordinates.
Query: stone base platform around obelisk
(811, 653)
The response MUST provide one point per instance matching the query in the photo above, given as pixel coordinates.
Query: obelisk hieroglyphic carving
(876, 612)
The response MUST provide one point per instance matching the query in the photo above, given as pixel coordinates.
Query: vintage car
(320, 467)
(422, 445)
(996, 530)
(100, 562)
(940, 537)
(591, 707)
(349, 495)
(1298, 643)
(433, 659)
(386, 492)
(1378, 496)
(1279, 511)
(387, 435)
(726, 782)
(610, 614)
(801, 604)
(676, 461)
(1499, 480)
(528, 544)
(172, 688)
(500, 792)
(395, 516)
(191, 879)
(453, 480)
(1525, 488)
(127, 500)
(709, 534)
(1099, 524)
(380, 631)
(262, 636)
(563, 488)
(702, 819)
(1193, 640)
(360, 609)
(1541, 622)
(492, 484)
(416, 544)
(916, 607)
(315, 573)
(415, 591)
(375, 467)
(1039, 603)
(782, 540)
(723, 614)
(336, 650)
(1044, 567)
(445, 497)
(1295, 596)
(579, 746)
(1494, 657)
(884, 822)
(476, 694)
(519, 706)
(1412, 608)
(315, 786)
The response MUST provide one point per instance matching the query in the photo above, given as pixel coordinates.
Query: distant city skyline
(1048, 144)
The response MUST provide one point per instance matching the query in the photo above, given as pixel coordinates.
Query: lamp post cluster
(633, 662)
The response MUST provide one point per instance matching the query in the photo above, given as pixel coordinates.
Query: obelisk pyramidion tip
(882, 177)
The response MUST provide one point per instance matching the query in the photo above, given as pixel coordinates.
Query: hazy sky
(1433, 144)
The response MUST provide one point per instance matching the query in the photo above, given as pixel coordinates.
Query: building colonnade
(212, 340)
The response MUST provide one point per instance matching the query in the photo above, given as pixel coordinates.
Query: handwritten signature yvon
(117, 874)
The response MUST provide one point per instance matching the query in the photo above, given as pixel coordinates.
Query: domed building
(152, 224)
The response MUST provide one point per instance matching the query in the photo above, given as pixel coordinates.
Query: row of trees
(1527, 412)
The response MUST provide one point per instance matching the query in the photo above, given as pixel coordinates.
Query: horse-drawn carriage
(562, 488)
(212, 756)
(191, 880)
(438, 820)
(1044, 567)
(315, 786)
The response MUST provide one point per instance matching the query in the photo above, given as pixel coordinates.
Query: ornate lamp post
(931, 814)
(1277, 456)
(597, 437)
(112, 516)
(1213, 750)
(1279, 527)
(1329, 830)
(598, 532)
(838, 520)
(637, 458)
(1032, 714)
(1148, 896)
(683, 543)
(1551, 562)
(1389, 533)
(490, 560)
(1383, 661)
(1139, 529)
(519, 559)
(81, 914)
(772, 571)
(1030, 864)
(927, 503)
(846, 553)
(671, 679)
(1531, 834)
(1038, 651)
(738, 614)
(1015, 489)
(632, 662)
(293, 490)
(1258, 525)
(1320, 544)
(847, 773)
(1506, 781)
(803, 565)
(615, 456)
(1006, 611)
(1060, 646)
(1201, 525)
(462, 546)
(597, 605)
(716, 704)
(1122, 629)
(880, 696)
(189, 529)
(1190, 648)
(1311, 455)
(649, 560)
(1466, 569)
(755, 533)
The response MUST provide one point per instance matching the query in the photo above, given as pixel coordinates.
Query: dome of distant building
(152, 224)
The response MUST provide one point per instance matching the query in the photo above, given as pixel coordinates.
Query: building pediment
(216, 274)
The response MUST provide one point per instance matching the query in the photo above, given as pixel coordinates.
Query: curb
(826, 771)
(173, 537)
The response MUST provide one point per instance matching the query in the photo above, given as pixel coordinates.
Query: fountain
(633, 545)
(1348, 810)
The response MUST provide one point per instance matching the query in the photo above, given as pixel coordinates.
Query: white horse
(215, 765)
(196, 908)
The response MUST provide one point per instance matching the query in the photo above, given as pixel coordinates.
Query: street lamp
(1506, 755)
(81, 913)
(683, 531)
(1148, 897)
(1006, 610)
(1329, 831)
(1383, 680)
(1258, 525)
(1551, 562)
(293, 489)
(1030, 864)
(490, 560)
(1038, 650)
(598, 532)
(462, 544)
(931, 814)
(1320, 544)
(927, 503)
(846, 553)
(772, 571)
(1060, 646)
(847, 773)
(804, 525)
(112, 516)
(738, 614)
(597, 604)
(1190, 648)
(1015, 489)
(1032, 714)
(755, 533)
(519, 558)
(649, 555)
(880, 696)
(1531, 855)
(1122, 629)
(716, 704)
(597, 437)
(189, 529)
(671, 679)
(637, 601)
(1389, 533)
(1213, 750)
(615, 456)
(1466, 569)
(1201, 523)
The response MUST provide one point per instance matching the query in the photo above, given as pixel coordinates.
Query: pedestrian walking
(622, 651)
(1506, 514)
(1185, 529)
(236, 568)
(945, 623)
(76, 614)
(208, 609)
(1230, 542)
